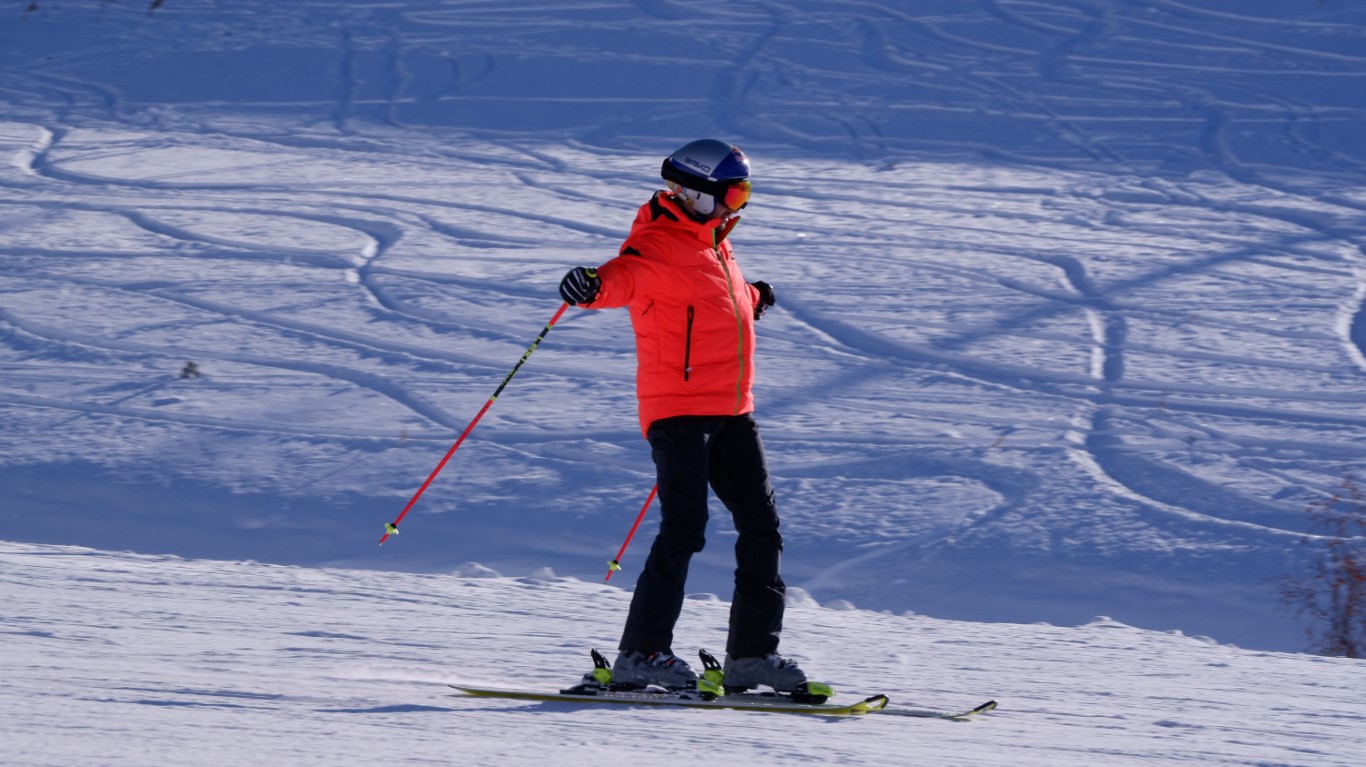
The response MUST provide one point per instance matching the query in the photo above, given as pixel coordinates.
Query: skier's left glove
(766, 298)
(580, 286)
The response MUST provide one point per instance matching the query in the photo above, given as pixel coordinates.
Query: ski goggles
(735, 195)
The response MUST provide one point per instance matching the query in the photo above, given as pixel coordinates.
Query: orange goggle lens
(736, 195)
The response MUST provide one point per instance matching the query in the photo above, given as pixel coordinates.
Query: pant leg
(739, 475)
(679, 448)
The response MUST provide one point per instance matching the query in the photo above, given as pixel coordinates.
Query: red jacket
(692, 311)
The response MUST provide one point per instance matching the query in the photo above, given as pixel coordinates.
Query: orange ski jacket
(692, 312)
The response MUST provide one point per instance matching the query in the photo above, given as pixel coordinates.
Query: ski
(712, 692)
(770, 702)
(929, 714)
(684, 699)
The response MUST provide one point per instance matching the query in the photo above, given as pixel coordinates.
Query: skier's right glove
(580, 286)
(766, 298)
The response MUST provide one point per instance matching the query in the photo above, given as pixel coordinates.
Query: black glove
(580, 286)
(766, 298)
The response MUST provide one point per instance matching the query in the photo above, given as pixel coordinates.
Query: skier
(693, 316)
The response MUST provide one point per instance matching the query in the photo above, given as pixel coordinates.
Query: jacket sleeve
(754, 297)
(624, 279)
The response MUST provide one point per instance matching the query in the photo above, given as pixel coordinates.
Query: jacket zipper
(687, 346)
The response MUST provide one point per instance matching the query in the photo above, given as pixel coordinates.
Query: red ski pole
(615, 564)
(392, 527)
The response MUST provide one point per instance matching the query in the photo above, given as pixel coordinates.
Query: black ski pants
(725, 453)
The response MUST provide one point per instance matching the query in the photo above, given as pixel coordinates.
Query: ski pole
(615, 564)
(392, 527)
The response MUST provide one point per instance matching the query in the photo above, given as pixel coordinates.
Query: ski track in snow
(1069, 299)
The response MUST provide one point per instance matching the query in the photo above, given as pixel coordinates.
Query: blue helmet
(709, 170)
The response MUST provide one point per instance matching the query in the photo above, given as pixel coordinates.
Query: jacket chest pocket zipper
(687, 347)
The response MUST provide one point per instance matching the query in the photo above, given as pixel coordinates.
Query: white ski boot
(772, 670)
(662, 669)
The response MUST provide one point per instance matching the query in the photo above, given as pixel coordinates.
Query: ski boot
(775, 671)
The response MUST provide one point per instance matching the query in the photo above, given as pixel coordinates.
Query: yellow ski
(685, 699)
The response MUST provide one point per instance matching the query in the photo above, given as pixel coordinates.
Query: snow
(1071, 323)
(137, 659)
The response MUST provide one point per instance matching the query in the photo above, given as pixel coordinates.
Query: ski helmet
(709, 170)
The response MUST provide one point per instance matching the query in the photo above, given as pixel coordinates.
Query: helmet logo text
(700, 166)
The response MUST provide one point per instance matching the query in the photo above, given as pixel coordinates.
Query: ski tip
(873, 703)
(982, 709)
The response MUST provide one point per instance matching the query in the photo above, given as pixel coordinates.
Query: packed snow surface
(134, 659)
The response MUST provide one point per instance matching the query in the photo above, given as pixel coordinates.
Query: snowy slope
(1070, 324)
(157, 660)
